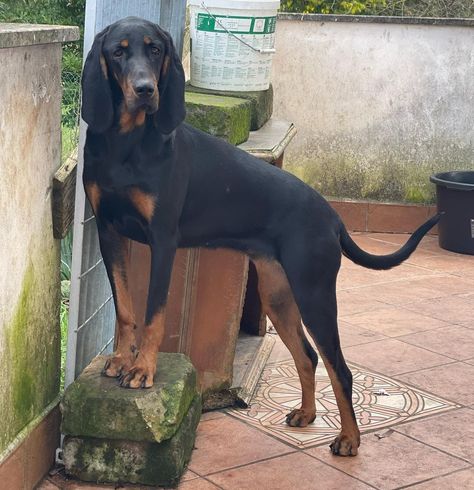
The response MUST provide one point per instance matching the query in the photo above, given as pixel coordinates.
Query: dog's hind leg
(278, 303)
(312, 268)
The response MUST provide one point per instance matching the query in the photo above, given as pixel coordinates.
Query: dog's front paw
(345, 445)
(300, 417)
(140, 375)
(117, 364)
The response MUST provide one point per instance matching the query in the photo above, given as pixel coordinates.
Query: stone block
(96, 406)
(261, 102)
(110, 460)
(225, 117)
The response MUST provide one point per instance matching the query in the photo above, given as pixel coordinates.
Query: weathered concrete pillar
(30, 149)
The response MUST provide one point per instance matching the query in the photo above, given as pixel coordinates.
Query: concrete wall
(30, 114)
(378, 106)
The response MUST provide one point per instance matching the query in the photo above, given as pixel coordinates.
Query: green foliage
(403, 8)
(64, 12)
(353, 7)
(428, 8)
(66, 259)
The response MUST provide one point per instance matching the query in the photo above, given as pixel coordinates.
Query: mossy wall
(30, 142)
(378, 106)
(343, 170)
(30, 358)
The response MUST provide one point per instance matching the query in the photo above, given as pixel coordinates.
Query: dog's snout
(144, 88)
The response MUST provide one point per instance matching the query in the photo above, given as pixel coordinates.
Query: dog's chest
(116, 177)
(130, 211)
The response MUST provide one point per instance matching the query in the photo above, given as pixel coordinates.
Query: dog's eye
(118, 53)
(156, 51)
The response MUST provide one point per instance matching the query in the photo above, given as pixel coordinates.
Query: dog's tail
(352, 251)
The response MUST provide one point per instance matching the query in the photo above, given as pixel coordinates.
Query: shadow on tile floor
(408, 335)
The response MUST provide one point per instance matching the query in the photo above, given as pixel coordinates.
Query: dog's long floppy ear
(171, 111)
(97, 104)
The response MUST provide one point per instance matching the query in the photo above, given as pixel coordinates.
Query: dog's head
(132, 70)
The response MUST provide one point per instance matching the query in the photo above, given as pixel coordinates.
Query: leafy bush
(412, 8)
(353, 7)
(428, 8)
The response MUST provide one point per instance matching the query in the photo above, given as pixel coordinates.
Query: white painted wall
(378, 106)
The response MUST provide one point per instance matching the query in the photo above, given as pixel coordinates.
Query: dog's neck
(115, 143)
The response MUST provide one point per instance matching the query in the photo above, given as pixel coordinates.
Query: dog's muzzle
(145, 96)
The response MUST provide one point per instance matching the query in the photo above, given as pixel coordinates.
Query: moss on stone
(261, 102)
(31, 357)
(119, 461)
(225, 117)
(96, 406)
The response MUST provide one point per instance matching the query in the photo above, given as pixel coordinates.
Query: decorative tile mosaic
(378, 402)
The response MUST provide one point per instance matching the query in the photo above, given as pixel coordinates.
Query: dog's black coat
(204, 191)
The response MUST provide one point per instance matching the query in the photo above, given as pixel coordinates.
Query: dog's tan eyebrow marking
(124, 43)
(147, 40)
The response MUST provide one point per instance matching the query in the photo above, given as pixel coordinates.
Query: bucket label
(231, 52)
(236, 24)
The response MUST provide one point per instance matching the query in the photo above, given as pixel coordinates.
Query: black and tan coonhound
(152, 178)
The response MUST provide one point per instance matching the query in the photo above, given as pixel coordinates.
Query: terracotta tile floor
(408, 335)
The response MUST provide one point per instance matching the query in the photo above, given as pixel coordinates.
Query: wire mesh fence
(92, 328)
(70, 112)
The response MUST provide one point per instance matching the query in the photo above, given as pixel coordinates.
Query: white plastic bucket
(232, 43)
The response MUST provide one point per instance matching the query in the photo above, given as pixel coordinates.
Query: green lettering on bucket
(235, 24)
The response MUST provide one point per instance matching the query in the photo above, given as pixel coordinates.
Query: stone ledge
(96, 406)
(261, 102)
(378, 19)
(15, 35)
(225, 117)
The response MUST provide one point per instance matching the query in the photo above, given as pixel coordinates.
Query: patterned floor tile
(378, 402)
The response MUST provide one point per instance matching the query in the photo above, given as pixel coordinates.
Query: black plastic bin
(455, 196)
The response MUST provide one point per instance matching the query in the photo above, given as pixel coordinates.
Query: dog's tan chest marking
(129, 121)
(144, 203)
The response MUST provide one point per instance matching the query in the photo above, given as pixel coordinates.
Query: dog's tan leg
(278, 303)
(115, 252)
(311, 263)
(348, 441)
(126, 350)
(143, 370)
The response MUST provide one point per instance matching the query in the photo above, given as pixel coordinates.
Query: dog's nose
(144, 88)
